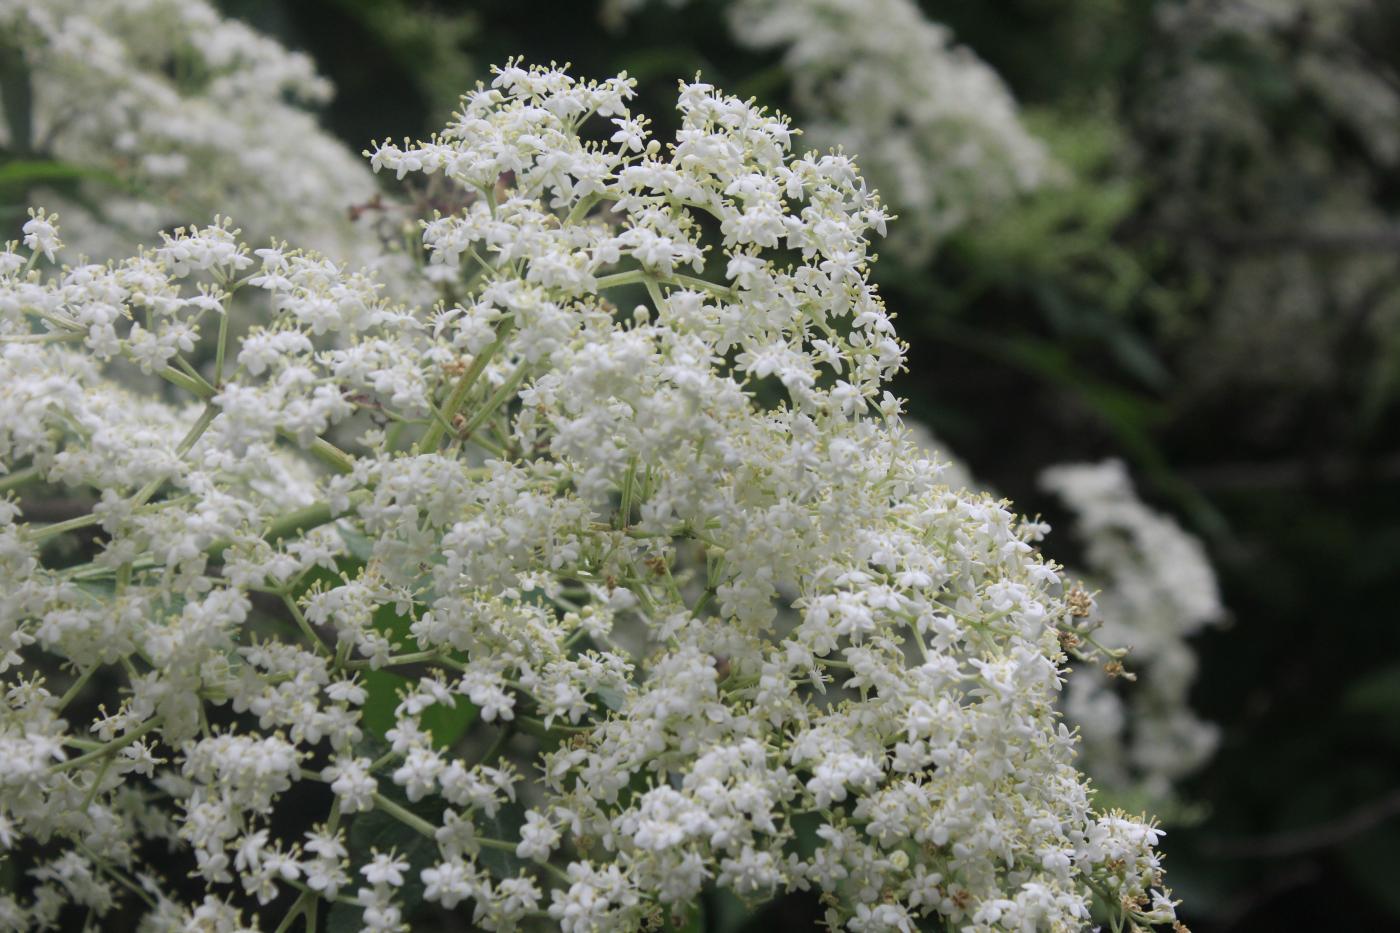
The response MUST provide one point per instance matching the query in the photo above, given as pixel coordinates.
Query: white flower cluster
(174, 112)
(1315, 37)
(617, 581)
(1155, 588)
(1248, 179)
(936, 129)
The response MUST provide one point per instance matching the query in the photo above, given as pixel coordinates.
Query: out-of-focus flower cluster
(173, 112)
(1289, 232)
(1154, 589)
(934, 127)
(660, 592)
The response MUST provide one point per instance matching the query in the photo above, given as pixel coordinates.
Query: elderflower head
(673, 590)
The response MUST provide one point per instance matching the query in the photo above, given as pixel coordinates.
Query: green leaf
(344, 918)
(805, 841)
(358, 544)
(612, 699)
(377, 830)
(504, 825)
(383, 687)
(446, 724)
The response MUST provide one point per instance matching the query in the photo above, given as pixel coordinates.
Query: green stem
(412, 820)
(658, 300)
(396, 661)
(304, 900)
(18, 478)
(690, 281)
(305, 626)
(500, 396)
(299, 520)
(629, 481)
(581, 208)
(291, 524)
(652, 279)
(433, 436)
(58, 528)
(108, 748)
(223, 342)
(919, 640)
(96, 785)
(60, 337)
(498, 746)
(322, 449)
(305, 889)
(196, 431)
(199, 388)
(632, 277)
(495, 450)
(423, 827)
(72, 692)
(502, 845)
(536, 727)
(115, 875)
(329, 454)
(193, 373)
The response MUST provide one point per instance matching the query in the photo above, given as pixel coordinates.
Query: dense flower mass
(612, 580)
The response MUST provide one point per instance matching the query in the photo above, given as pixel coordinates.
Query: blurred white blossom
(176, 112)
(1155, 589)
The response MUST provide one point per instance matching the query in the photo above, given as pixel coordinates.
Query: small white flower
(41, 233)
(385, 869)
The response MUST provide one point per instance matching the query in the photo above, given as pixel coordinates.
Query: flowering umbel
(614, 578)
